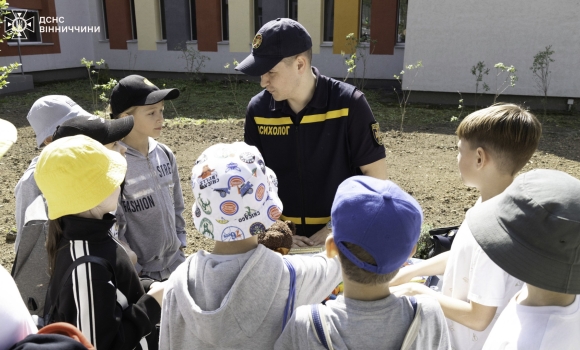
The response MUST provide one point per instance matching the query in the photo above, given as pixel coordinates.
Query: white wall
(452, 36)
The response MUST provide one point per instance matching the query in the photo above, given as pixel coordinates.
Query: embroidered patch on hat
(375, 130)
(257, 41)
(146, 81)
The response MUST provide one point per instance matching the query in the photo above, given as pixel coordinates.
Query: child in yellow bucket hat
(93, 283)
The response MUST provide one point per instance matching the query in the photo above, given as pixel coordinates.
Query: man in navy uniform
(313, 131)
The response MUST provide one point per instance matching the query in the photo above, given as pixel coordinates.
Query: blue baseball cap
(378, 216)
(276, 40)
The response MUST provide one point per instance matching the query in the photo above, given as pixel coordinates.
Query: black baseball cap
(276, 40)
(102, 130)
(135, 90)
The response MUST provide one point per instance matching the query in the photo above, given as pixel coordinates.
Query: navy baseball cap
(276, 40)
(135, 90)
(378, 216)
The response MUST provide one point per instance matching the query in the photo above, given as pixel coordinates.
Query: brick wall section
(209, 24)
(383, 26)
(119, 20)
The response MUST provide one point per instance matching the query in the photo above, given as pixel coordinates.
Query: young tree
(541, 73)
(479, 70)
(510, 78)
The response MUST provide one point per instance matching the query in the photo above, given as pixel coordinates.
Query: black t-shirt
(313, 151)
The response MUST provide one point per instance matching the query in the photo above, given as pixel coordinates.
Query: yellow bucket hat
(76, 174)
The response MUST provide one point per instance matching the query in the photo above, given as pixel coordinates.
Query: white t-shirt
(470, 275)
(15, 320)
(536, 327)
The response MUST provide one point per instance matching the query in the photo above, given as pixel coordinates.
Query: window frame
(133, 20)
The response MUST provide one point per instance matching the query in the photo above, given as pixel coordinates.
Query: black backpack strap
(82, 260)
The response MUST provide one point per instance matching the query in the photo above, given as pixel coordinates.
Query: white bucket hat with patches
(236, 195)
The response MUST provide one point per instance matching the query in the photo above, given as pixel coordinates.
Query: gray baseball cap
(50, 111)
(532, 230)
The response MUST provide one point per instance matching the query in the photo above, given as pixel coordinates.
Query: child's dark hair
(509, 132)
(359, 275)
(53, 238)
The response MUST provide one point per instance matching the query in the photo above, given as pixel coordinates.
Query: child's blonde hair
(509, 132)
(129, 111)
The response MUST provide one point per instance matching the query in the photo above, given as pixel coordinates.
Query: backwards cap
(379, 217)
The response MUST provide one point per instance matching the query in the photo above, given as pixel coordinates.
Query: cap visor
(504, 248)
(256, 65)
(160, 95)
(118, 129)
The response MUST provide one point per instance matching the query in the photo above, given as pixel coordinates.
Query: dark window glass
(293, 9)
(105, 19)
(225, 24)
(162, 15)
(24, 24)
(193, 19)
(402, 25)
(365, 21)
(133, 20)
(328, 20)
(257, 15)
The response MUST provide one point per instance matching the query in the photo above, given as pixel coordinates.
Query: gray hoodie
(238, 304)
(25, 193)
(150, 208)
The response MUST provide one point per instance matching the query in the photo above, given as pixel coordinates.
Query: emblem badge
(376, 131)
(257, 41)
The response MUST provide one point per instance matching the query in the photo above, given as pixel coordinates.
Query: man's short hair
(509, 132)
(307, 54)
(359, 275)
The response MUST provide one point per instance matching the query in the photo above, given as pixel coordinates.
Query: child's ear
(331, 248)
(482, 157)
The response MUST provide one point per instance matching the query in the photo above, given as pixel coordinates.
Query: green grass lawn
(218, 100)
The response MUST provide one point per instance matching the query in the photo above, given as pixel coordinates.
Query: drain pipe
(570, 103)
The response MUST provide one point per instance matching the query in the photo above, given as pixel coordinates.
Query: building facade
(151, 35)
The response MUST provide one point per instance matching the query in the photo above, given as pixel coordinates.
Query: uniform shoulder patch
(376, 132)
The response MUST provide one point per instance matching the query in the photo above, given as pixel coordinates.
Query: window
(24, 24)
(293, 9)
(365, 21)
(162, 19)
(105, 23)
(225, 24)
(133, 20)
(193, 19)
(328, 20)
(257, 15)
(402, 25)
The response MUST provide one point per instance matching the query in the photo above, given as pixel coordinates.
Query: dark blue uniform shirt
(313, 151)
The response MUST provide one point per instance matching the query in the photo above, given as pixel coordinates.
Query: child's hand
(156, 291)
